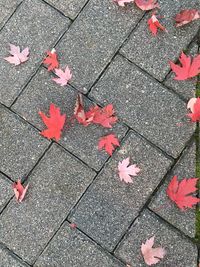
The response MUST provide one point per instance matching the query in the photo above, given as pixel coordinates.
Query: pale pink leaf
(64, 76)
(147, 4)
(190, 104)
(17, 57)
(126, 172)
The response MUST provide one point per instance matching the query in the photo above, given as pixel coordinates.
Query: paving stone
(93, 39)
(145, 105)
(22, 145)
(110, 205)
(56, 184)
(162, 205)
(6, 191)
(70, 8)
(153, 53)
(175, 244)
(71, 248)
(6, 9)
(81, 141)
(38, 29)
(185, 88)
(8, 260)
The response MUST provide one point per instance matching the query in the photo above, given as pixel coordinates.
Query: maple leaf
(19, 190)
(147, 4)
(125, 171)
(190, 68)
(186, 16)
(54, 123)
(179, 192)
(17, 57)
(154, 25)
(108, 142)
(123, 2)
(82, 117)
(104, 116)
(152, 255)
(51, 60)
(64, 76)
(194, 105)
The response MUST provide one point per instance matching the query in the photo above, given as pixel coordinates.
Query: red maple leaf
(104, 116)
(108, 142)
(147, 4)
(154, 25)
(51, 60)
(195, 114)
(180, 192)
(190, 68)
(186, 16)
(54, 123)
(19, 190)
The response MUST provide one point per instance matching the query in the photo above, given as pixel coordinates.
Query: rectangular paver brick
(6, 9)
(37, 26)
(153, 53)
(93, 39)
(6, 191)
(145, 105)
(70, 8)
(109, 206)
(8, 260)
(21, 145)
(71, 248)
(55, 186)
(162, 205)
(81, 141)
(180, 251)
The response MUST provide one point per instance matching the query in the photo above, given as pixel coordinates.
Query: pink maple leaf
(147, 4)
(125, 171)
(17, 57)
(64, 76)
(19, 190)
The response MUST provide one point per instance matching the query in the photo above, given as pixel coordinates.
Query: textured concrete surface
(7, 259)
(7, 7)
(5, 190)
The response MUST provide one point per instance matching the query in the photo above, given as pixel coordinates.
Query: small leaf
(154, 25)
(125, 171)
(186, 16)
(104, 116)
(147, 4)
(64, 76)
(108, 142)
(51, 60)
(195, 109)
(17, 57)
(19, 190)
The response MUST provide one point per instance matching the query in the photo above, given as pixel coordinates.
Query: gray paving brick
(70, 8)
(6, 9)
(153, 53)
(185, 88)
(94, 38)
(55, 186)
(80, 140)
(71, 248)
(6, 191)
(180, 250)
(8, 260)
(110, 205)
(22, 145)
(145, 105)
(185, 221)
(37, 26)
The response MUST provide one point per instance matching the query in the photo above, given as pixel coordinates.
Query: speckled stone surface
(22, 145)
(6, 191)
(153, 53)
(71, 248)
(55, 186)
(81, 141)
(180, 251)
(70, 8)
(145, 105)
(7, 7)
(162, 205)
(39, 30)
(109, 204)
(9, 260)
(94, 38)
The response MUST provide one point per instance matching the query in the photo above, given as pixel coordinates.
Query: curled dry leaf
(55, 123)
(64, 76)
(108, 142)
(123, 2)
(189, 68)
(19, 190)
(186, 16)
(194, 105)
(154, 25)
(126, 172)
(17, 57)
(152, 255)
(190, 104)
(180, 192)
(51, 60)
(147, 4)
(104, 116)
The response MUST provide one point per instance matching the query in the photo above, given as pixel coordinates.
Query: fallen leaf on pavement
(152, 255)
(147, 4)
(17, 57)
(154, 25)
(195, 109)
(55, 123)
(19, 190)
(51, 60)
(108, 142)
(126, 172)
(64, 76)
(186, 16)
(104, 116)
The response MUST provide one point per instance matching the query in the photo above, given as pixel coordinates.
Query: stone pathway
(114, 59)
